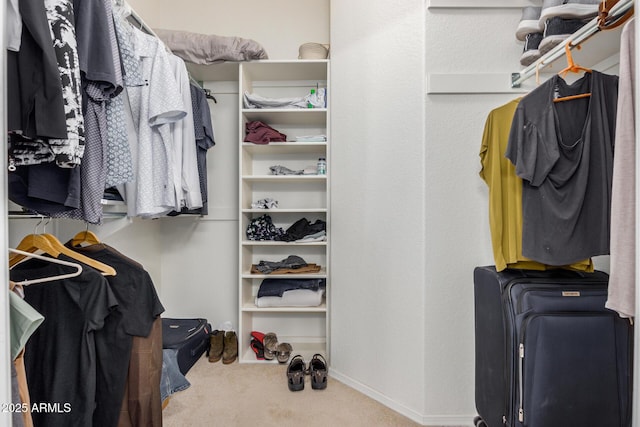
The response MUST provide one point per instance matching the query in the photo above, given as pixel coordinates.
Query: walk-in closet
(376, 185)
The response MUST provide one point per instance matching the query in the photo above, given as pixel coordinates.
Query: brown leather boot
(230, 347)
(216, 340)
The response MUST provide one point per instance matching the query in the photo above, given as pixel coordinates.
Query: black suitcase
(548, 353)
(189, 336)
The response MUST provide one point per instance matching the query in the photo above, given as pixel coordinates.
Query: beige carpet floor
(245, 395)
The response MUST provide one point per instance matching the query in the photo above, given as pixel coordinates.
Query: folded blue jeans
(172, 380)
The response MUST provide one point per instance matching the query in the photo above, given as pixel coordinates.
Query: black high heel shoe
(295, 373)
(318, 372)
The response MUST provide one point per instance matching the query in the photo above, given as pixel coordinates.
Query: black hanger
(209, 95)
(207, 92)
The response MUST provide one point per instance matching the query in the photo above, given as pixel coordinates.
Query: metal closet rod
(574, 40)
(31, 215)
(144, 27)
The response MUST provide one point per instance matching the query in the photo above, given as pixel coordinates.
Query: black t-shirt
(60, 357)
(138, 307)
(133, 286)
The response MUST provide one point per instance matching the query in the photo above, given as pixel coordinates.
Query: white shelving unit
(298, 196)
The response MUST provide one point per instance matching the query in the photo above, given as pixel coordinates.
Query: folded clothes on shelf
(266, 203)
(258, 132)
(293, 298)
(252, 100)
(320, 236)
(311, 138)
(302, 228)
(277, 287)
(283, 170)
(262, 228)
(309, 268)
(291, 264)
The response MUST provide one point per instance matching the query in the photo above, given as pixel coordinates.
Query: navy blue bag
(189, 336)
(548, 352)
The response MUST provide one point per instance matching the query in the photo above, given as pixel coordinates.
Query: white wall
(280, 26)
(378, 222)
(458, 239)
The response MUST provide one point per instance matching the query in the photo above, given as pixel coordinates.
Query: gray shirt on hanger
(564, 153)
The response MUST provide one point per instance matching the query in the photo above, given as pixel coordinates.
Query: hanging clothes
(153, 107)
(24, 320)
(204, 140)
(117, 162)
(60, 357)
(62, 21)
(623, 259)
(564, 154)
(203, 129)
(13, 25)
(97, 349)
(120, 140)
(156, 160)
(33, 82)
(102, 80)
(186, 181)
(505, 194)
(138, 308)
(142, 403)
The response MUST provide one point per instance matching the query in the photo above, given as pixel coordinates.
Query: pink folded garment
(260, 133)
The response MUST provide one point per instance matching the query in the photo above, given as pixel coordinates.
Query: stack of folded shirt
(290, 293)
(291, 264)
(304, 231)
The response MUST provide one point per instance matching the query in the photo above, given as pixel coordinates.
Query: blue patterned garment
(118, 154)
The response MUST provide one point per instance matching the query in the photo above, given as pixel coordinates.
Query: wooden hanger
(574, 68)
(85, 236)
(26, 254)
(105, 269)
(32, 243)
(50, 245)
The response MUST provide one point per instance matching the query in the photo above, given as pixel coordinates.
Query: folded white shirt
(252, 100)
(293, 298)
(311, 138)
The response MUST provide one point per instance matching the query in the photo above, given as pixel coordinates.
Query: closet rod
(575, 39)
(139, 22)
(30, 215)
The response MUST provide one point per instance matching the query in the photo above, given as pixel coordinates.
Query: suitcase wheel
(479, 422)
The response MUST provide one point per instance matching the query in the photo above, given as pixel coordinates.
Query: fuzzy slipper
(270, 342)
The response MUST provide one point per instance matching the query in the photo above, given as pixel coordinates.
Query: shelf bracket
(515, 80)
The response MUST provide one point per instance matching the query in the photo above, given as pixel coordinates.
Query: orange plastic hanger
(574, 68)
(607, 21)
